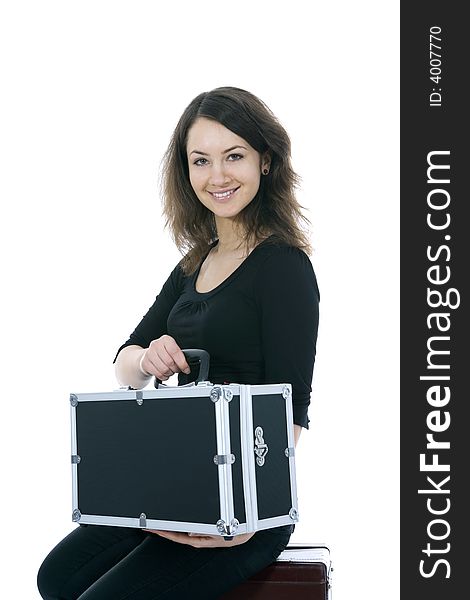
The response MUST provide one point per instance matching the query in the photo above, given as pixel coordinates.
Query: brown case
(302, 571)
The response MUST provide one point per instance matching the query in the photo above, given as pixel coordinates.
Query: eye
(235, 156)
(199, 163)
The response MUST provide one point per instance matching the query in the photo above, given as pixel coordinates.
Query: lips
(225, 195)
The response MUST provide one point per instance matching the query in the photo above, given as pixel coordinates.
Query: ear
(265, 160)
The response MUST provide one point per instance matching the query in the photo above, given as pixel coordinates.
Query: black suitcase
(202, 458)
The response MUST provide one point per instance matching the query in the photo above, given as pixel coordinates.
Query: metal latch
(261, 448)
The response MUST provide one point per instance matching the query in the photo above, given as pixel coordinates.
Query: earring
(265, 171)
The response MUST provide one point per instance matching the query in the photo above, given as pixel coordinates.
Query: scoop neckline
(230, 277)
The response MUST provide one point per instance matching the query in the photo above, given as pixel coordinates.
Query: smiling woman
(244, 291)
(218, 133)
(225, 182)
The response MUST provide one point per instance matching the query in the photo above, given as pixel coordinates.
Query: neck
(229, 234)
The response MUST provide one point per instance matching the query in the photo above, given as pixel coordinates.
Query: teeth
(223, 194)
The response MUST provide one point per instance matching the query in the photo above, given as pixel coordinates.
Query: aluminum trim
(315, 555)
(224, 470)
(73, 424)
(307, 546)
(196, 391)
(291, 444)
(261, 389)
(248, 458)
(150, 394)
(274, 522)
(103, 396)
(189, 527)
(245, 469)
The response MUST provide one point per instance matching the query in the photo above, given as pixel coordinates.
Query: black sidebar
(435, 257)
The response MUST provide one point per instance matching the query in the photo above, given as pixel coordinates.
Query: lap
(121, 563)
(82, 557)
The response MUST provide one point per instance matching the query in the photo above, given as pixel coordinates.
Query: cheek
(253, 170)
(254, 176)
(194, 179)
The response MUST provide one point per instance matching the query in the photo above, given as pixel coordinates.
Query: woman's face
(224, 169)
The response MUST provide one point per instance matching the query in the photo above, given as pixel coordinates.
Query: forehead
(209, 135)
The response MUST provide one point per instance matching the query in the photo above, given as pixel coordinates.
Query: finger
(212, 542)
(194, 541)
(150, 364)
(159, 360)
(177, 356)
(164, 370)
(157, 531)
(216, 541)
(156, 360)
(181, 362)
(197, 537)
(174, 536)
(164, 361)
(146, 364)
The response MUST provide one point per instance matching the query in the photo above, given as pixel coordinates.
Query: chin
(227, 214)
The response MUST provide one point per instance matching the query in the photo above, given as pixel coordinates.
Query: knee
(46, 581)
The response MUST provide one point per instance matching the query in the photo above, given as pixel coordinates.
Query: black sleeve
(288, 300)
(154, 323)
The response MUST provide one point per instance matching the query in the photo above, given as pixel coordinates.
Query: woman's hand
(163, 358)
(202, 541)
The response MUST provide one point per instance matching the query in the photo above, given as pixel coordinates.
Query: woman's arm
(297, 432)
(287, 297)
(127, 367)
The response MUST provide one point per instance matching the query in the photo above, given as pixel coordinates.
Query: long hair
(274, 211)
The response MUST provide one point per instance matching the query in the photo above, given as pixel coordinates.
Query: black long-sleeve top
(258, 326)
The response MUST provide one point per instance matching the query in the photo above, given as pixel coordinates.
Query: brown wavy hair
(274, 211)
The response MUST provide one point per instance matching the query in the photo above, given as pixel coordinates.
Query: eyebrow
(224, 152)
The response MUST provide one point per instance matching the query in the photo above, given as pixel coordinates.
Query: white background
(91, 92)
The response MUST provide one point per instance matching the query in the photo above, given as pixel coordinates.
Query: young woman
(245, 291)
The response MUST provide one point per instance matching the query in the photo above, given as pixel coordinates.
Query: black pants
(118, 563)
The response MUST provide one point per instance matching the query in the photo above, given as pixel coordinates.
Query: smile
(224, 195)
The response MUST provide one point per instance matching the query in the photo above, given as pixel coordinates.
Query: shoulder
(276, 248)
(175, 281)
(278, 254)
(279, 263)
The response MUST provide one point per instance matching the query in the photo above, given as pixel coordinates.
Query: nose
(219, 174)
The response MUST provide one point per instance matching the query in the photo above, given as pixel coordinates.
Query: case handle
(196, 354)
(203, 357)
